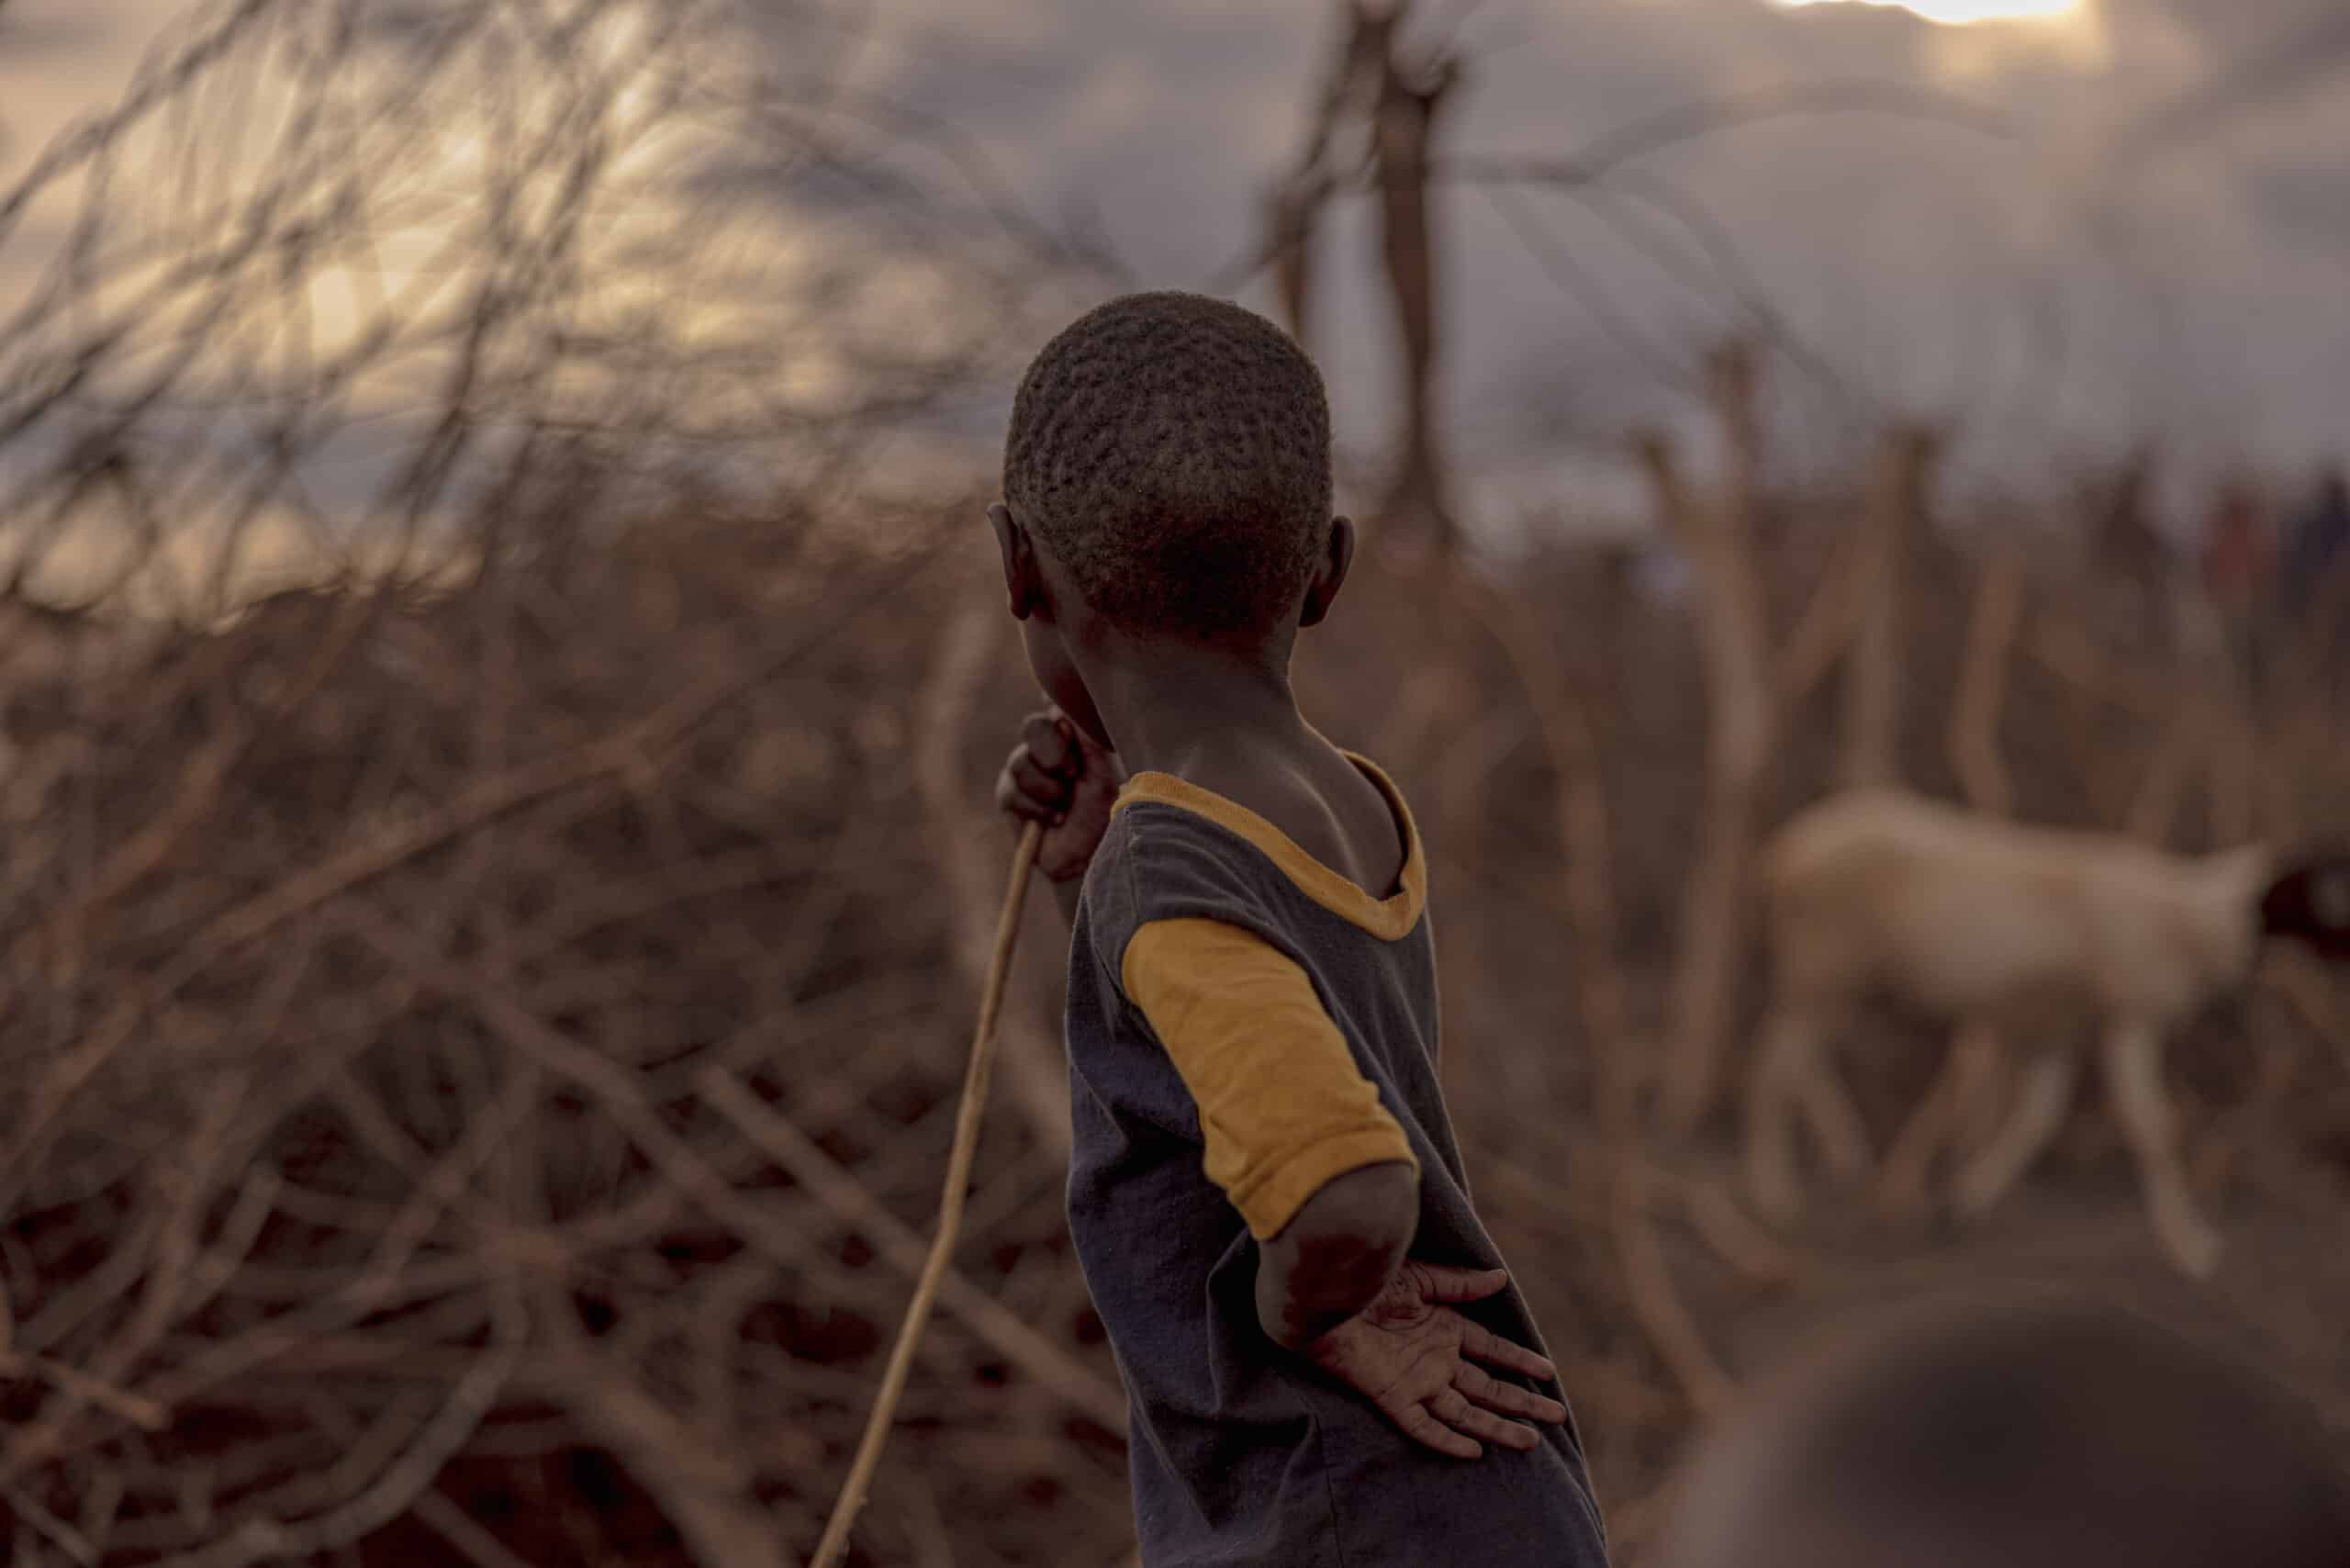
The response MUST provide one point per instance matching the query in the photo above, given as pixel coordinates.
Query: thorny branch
(481, 1034)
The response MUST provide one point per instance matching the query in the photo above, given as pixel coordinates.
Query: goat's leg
(2038, 1116)
(1835, 1121)
(2133, 1077)
(1948, 1109)
(1982, 1098)
(1788, 1052)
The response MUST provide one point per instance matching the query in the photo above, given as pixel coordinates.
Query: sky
(2154, 249)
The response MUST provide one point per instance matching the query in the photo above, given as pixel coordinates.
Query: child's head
(2041, 1433)
(1167, 479)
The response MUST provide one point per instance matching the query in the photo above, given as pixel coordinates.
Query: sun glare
(1957, 13)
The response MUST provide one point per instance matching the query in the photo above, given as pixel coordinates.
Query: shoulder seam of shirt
(1390, 919)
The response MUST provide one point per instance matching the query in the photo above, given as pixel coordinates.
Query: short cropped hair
(1172, 452)
(2041, 1431)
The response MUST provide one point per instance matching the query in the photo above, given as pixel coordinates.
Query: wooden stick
(851, 1501)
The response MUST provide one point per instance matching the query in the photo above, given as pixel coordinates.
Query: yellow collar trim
(1390, 919)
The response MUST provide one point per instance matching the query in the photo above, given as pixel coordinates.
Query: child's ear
(1330, 572)
(1024, 581)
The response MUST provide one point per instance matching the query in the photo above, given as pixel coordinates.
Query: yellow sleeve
(1282, 1105)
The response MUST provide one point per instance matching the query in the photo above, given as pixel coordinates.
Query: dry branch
(838, 1191)
(1404, 119)
(1872, 678)
(1974, 736)
(483, 1024)
(1740, 736)
(1630, 1217)
(969, 1112)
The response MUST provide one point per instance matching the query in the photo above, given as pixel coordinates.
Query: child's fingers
(1021, 808)
(1489, 1347)
(1047, 737)
(1440, 1284)
(1507, 1397)
(1463, 1417)
(1035, 783)
(1426, 1430)
(1011, 796)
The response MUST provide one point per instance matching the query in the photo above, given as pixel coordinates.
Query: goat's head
(2311, 903)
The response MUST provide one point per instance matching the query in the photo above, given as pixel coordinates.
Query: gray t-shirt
(1242, 1453)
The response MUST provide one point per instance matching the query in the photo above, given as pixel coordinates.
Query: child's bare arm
(1424, 1364)
(1334, 1257)
(1336, 1284)
(1309, 1153)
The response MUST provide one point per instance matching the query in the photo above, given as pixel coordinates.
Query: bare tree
(1409, 103)
(1352, 83)
(1377, 113)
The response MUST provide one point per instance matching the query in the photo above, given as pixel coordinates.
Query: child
(1322, 1353)
(2040, 1433)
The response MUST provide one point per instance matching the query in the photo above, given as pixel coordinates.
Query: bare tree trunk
(1973, 740)
(1294, 210)
(1368, 88)
(1405, 115)
(1874, 676)
(1741, 723)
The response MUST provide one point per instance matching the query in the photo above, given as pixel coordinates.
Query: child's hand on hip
(1058, 776)
(1412, 1357)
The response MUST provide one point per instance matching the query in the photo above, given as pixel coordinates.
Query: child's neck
(1191, 710)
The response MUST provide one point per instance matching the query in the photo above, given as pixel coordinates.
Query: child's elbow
(1337, 1253)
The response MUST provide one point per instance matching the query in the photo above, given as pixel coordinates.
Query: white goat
(2039, 934)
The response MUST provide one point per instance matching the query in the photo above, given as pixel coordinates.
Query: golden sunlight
(1959, 12)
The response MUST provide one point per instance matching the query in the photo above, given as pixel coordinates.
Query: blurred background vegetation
(500, 673)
